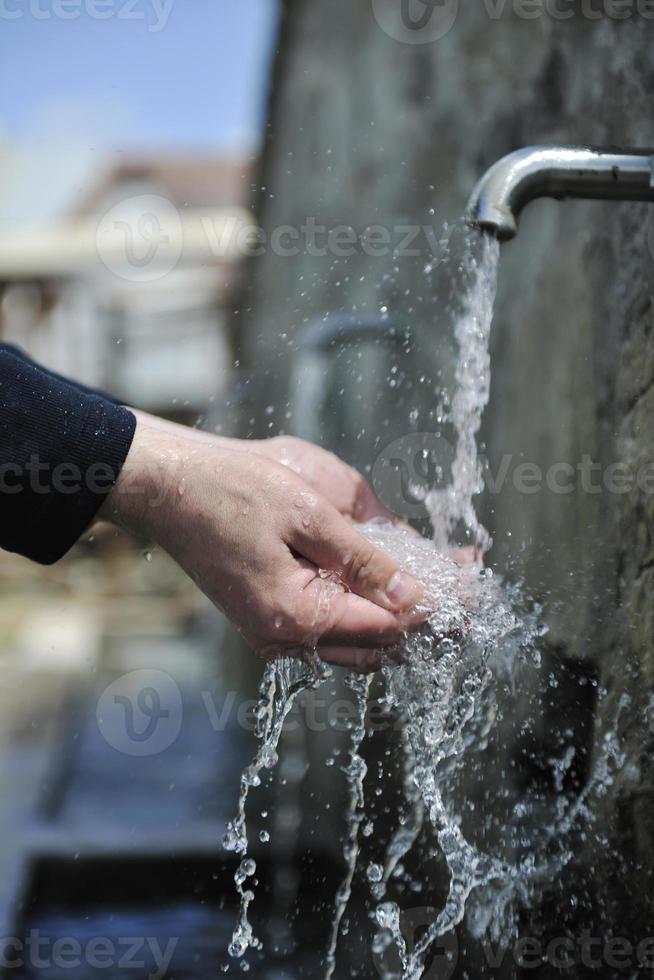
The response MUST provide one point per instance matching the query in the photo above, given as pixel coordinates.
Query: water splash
(411, 821)
(443, 689)
(355, 773)
(283, 680)
(444, 692)
(548, 845)
(439, 687)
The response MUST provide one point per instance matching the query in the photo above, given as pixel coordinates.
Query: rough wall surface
(366, 130)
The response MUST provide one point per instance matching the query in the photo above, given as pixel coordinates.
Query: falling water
(411, 822)
(442, 689)
(283, 680)
(355, 772)
(455, 503)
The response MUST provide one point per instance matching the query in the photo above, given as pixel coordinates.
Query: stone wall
(368, 130)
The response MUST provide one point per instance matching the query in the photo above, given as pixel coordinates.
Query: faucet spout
(559, 172)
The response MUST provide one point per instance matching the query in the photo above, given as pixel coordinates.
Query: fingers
(360, 660)
(342, 485)
(465, 556)
(367, 504)
(330, 543)
(353, 633)
(327, 616)
(353, 621)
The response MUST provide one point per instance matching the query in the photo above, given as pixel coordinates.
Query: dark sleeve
(18, 352)
(61, 449)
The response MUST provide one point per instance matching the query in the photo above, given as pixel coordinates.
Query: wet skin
(253, 524)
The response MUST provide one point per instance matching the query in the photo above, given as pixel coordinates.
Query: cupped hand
(340, 484)
(266, 546)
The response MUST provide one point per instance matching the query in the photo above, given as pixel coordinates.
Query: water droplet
(374, 872)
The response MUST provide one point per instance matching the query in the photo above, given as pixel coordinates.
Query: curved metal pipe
(557, 171)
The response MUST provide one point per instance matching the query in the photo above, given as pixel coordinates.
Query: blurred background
(149, 111)
(244, 217)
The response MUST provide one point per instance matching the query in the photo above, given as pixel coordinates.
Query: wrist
(139, 499)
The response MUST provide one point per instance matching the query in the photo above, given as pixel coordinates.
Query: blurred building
(129, 286)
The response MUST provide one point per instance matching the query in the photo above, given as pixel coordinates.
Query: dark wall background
(366, 130)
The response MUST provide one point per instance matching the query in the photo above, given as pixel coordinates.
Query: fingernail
(403, 590)
(413, 617)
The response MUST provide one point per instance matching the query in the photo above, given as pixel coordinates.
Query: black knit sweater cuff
(61, 451)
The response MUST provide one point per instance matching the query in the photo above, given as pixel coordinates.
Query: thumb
(331, 543)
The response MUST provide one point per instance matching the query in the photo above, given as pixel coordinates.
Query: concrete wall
(366, 130)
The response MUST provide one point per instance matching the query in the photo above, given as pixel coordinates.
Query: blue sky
(170, 76)
(179, 74)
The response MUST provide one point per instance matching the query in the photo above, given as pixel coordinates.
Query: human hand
(340, 484)
(253, 535)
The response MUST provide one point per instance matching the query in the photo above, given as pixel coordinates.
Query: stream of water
(443, 692)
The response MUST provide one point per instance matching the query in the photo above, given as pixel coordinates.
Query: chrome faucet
(610, 174)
